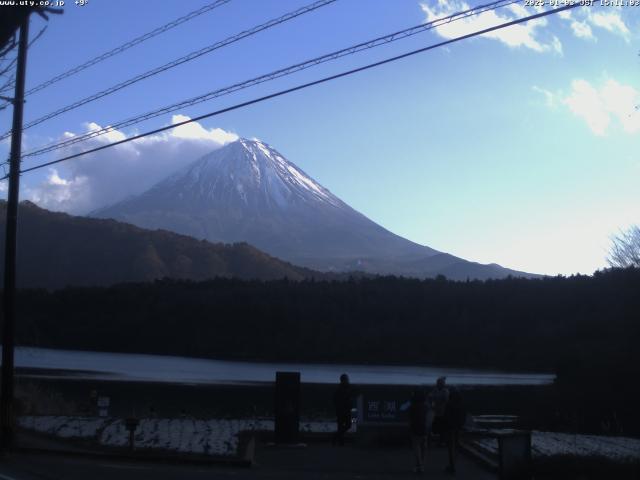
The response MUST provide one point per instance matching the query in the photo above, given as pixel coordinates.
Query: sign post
(287, 427)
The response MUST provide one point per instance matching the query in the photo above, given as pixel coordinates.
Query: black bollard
(287, 407)
(131, 424)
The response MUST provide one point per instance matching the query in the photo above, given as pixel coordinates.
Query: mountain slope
(56, 250)
(247, 191)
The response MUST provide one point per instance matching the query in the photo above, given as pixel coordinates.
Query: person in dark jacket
(453, 420)
(418, 426)
(438, 399)
(342, 401)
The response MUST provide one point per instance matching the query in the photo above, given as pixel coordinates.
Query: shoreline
(263, 361)
(32, 361)
(52, 374)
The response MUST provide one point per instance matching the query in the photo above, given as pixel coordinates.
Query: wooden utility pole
(9, 294)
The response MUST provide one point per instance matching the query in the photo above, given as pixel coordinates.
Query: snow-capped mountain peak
(247, 191)
(249, 171)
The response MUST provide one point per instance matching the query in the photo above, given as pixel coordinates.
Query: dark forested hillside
(540, 324)
(56, 250)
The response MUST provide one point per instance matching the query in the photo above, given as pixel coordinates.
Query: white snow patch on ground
(63, 426)
(549, 444)
(184, 435)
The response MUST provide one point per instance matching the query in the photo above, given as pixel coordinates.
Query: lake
(49, 363)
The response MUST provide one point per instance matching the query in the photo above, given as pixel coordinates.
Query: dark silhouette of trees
(541, 324)
(583, 328)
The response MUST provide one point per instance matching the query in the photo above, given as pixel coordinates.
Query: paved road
(317, 461)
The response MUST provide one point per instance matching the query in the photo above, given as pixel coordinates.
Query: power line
(273, 75)
(306, 85)
(124, 47)
(176, 62)
(128, 45)
(10, 83)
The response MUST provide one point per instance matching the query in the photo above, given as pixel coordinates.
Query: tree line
(586, 329)
(540, 324)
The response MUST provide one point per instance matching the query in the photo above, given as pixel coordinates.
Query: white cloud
(585, 102)
(56, 193)
(556, 45)
(521, 35)
(565, 14)
(610, 21)
(621, 101)
(549, 97)
(612, 104)
(584, 20)
(101, 178)
(518, 10)
(109, 137)
(195, 131)
(582, 30)
(599, 107)
(54, 179)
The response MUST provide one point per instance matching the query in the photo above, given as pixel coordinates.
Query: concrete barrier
(513, 460)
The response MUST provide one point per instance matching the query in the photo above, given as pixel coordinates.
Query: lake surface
(50, 363)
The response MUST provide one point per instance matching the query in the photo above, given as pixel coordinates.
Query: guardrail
(513, 459)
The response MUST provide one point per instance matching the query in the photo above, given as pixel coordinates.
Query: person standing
(454, 418)
(438, 399)
(418, 426)
(342, 401)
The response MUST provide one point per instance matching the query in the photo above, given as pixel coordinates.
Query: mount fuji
(247, 191)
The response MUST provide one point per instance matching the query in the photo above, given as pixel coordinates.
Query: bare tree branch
(625, 248)
(9, 46)
(6, 68)
(40, 33)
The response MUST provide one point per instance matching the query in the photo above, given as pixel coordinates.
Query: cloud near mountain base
(101, 178)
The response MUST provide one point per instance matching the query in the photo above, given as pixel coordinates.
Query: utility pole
(9, 297)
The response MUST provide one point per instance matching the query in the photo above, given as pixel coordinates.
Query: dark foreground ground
(315, 461)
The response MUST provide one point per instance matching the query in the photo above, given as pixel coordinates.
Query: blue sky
(519, 148)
